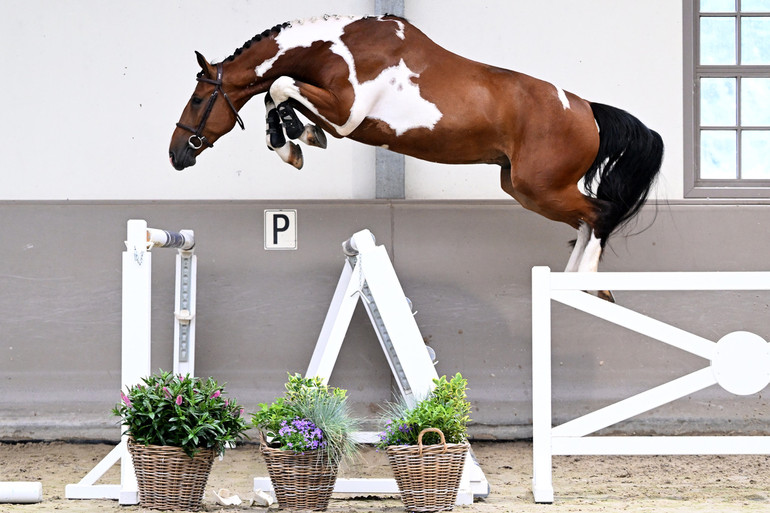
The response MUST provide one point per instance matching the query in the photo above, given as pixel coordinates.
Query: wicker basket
(428, 476)
(168, 478)
(300, 481)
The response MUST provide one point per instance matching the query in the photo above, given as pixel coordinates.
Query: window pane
(717, 40)
(755, 102)
(717, 5)
(755, 40)
(755, 6)
(717, 101)
(717, 154)
(755, 148)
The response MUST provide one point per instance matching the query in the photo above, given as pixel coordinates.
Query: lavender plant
(446, 408)
(181, 411)
(310, 416)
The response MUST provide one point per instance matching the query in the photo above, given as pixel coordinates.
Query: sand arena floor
(595, 483)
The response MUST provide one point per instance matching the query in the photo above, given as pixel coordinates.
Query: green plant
(446, 408)
(180, 411)
(310, 416)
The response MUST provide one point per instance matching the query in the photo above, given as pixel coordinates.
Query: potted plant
(426, 445)
(304, 436)
(176, 425)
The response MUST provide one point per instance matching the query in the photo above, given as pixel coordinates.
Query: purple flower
(178, 400)
(125, 399)
(215, 394)
(167, 392)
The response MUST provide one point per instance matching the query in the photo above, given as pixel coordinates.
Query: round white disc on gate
(741, 363)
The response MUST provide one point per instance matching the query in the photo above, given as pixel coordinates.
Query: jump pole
(136, 340)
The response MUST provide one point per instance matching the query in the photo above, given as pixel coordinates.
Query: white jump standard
(739, 362)
(136, 341)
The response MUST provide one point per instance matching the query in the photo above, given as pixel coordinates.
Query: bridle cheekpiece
(197, 140)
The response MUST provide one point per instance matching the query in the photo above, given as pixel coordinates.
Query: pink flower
(125, 399)
(216, 394)
(166, 392)
(178, 400)
(240, 413)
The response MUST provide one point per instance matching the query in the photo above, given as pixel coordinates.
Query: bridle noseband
(197, 140)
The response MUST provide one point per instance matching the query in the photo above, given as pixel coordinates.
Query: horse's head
(206, 117)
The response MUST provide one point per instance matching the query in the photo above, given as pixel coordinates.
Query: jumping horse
(381, 81)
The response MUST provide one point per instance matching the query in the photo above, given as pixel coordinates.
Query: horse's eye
(196, 101)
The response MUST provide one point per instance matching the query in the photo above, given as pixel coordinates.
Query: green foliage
(181, 411)
(309, 400)
(446, 408)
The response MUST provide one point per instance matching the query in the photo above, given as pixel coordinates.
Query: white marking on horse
(309, 32)
(398, 102)
(562, 97)
(392, 97)
(589, 262)
(400, 31)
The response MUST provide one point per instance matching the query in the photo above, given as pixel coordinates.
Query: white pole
(135, 357)
(18, 492)
(542, 479)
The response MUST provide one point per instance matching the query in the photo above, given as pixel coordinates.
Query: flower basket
(168, 478)
(300, 481)
(428, 476)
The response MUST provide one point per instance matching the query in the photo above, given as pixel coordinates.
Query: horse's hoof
(606, 295)
(602, 294)
(295, 157)
(314, 136)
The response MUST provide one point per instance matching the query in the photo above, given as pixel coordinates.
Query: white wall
(92, 90)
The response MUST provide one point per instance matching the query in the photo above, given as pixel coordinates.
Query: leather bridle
(197, 140)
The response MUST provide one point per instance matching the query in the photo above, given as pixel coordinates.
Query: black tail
(628, 161)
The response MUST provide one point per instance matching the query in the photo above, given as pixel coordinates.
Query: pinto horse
(381, 81)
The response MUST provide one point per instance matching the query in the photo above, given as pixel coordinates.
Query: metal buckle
(192, 145)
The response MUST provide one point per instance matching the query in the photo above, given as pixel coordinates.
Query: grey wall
(465, 265)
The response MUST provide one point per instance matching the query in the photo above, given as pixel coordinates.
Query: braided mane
(272, 32)
(266, 33)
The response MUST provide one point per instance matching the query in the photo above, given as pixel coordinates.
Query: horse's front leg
(285, 88)
(275, 138)
(338, 113)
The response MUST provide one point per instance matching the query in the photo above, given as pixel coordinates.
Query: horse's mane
(266, 33)
(276, 29)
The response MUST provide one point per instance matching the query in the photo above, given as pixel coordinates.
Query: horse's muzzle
(181, 159)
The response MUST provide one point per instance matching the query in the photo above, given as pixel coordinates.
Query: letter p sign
(280, 229)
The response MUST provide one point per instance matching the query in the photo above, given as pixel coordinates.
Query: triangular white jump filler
(368, 275)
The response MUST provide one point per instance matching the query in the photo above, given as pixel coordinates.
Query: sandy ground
(598, 483)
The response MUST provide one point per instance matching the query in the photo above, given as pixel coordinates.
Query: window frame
(694, 186)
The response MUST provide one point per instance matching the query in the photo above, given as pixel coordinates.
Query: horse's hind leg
(589, 262)
(583, 234)
(569, 206)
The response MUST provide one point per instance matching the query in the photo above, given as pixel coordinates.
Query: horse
(380, 81)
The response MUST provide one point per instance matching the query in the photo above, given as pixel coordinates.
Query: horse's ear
(207, 68)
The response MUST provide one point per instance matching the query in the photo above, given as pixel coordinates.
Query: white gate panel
(739, 362)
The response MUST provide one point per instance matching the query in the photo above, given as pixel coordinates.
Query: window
(729, 105)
